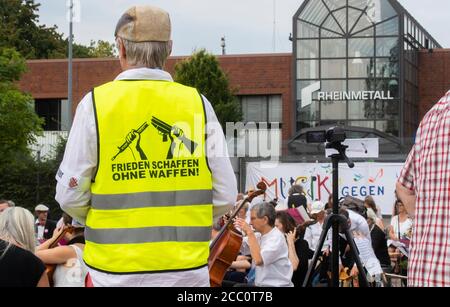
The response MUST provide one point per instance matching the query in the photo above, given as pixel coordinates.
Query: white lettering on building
(362, 95)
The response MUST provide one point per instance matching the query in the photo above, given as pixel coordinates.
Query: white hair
(17, 227)
(146, 54)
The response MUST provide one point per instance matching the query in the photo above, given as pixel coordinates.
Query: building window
(54, 112)
(264, 108)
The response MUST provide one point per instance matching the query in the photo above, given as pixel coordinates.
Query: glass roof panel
(389, 27)
(326, 33)
(335, 4)
(364, 22)
(314, 12)
(341, 17)
(360, 4)
(380, 10)
(353, 17)
(306, 30)
(366, 32)
(331, 24)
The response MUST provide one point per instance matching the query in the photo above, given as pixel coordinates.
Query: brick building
(370, 68)
(251, 75)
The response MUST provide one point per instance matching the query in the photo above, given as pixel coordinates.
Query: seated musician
(70, 270)
(269, 252)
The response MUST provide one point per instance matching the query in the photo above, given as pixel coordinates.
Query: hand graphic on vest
(177, 138)
(131, 137)
(175, 143)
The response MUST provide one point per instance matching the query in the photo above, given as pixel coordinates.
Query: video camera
(332, 135)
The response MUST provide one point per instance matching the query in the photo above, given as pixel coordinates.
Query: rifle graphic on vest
(129, 140)
(167, 130)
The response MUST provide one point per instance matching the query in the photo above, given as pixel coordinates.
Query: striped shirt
(427, 173)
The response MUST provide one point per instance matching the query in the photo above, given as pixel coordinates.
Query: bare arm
(241, 265)
(293, 257)
(43, 282)
(408, 198)
(57, 255)
(255, 249)
(46, 244)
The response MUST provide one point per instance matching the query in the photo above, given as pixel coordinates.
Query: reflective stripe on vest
(152, 199)
(151, 208)
(149, 235)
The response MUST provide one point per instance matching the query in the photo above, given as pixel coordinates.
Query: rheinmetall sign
(362, 95)
(308, 91)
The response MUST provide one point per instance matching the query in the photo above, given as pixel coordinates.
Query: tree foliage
(19, 123)
(28, 181)
(102, 49)
(20, 30)
(203, 72)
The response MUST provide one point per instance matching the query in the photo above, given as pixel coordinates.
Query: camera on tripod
(332, 135)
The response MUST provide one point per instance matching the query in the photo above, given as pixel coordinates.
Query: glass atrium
(356, 65)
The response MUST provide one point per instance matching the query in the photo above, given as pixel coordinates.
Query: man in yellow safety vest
(144, 167)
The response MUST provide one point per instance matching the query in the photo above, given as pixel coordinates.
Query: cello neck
(247, 199)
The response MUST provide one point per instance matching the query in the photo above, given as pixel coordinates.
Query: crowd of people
(156, 230)
(276, 249)
(35, 252)
(266, 260)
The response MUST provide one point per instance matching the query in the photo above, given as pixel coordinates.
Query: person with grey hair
(269, 249)
(19, 267)
(145, 167)
(5, 204)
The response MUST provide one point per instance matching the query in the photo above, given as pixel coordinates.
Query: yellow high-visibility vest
(151, 208)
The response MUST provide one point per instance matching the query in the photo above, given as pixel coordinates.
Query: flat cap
(41, 207)
(144, 24)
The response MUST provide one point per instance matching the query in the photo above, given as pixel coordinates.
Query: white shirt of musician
(276, 270)
(312, 236)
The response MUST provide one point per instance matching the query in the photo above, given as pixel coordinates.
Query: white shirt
(73, 273)
(276, 270)
(359, 224)
(312, 236)
(367, 256)
(40, 230)
(405, 226)
(80, 162)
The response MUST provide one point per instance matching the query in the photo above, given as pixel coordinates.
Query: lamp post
(70, 63)
(223, 45)
(37, 174)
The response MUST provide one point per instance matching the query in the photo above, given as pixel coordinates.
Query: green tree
(20, 177)
(203, 72)
(20, 30)
(102, 49)
(19, 123)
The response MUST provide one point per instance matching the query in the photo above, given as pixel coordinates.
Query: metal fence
(46, 144)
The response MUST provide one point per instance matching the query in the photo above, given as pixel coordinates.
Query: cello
(225, 247)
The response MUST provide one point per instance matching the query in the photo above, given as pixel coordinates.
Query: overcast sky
(247, 24)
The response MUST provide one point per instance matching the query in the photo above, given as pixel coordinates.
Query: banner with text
(375, 179)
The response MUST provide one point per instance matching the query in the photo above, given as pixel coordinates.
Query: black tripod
(338, 222)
